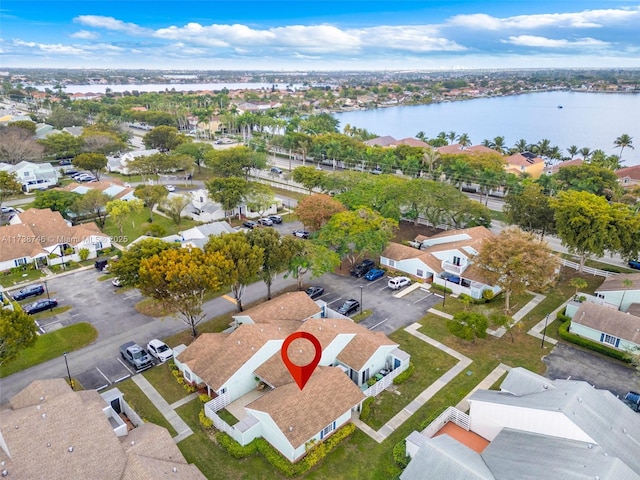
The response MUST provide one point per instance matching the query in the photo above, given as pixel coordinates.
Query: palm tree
(421, 136)
(521, 145)
(622, 142)
(460, 172)
(451, 136)
(585, 152)
(572, 151)
(498, 145)
(430, 158)
(464, 140)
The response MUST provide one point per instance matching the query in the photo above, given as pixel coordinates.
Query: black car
(275, 218)
(41, 306)
(301, 234)
(362, 268)
(349, 307)
(250, 225)
(30, 291)
(314, 292)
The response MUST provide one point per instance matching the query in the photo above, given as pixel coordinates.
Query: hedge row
(315, 451)
(400, 454)
(565, 334)
(365, 412)
(404, 376)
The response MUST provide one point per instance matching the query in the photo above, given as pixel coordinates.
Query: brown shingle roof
(522, 161)
(361, 348)
(292, 306)
(608, 320)
(615, 283)
(301, 414)
(19, 241)
(632, 172)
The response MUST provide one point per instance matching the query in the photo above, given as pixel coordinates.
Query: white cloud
(534, 41)
(422, 38)
(84, 35)
(54, 48)
(585, 19)
(111, 23)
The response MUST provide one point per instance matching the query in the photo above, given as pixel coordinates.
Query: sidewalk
(165, 409)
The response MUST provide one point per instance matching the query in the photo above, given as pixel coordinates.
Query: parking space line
(125, 366)
(121, 378)
(334, 301)
(423, 298)
(105, 377)
(384, 288)
(378, 324)
(103, 386)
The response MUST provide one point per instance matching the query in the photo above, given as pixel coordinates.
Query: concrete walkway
(538, 328)
(485, 384)
(165, 409)
(426, 395)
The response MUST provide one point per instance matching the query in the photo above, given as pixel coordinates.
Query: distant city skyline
(351, 35)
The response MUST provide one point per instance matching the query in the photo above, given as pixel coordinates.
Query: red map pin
(301, 373)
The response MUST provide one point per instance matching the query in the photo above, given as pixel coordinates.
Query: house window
(187, 375)
(222, 391)
(456, 261)
(327, 430)
(392, 263)
(611, 340)
(419, 273)
(20, 261)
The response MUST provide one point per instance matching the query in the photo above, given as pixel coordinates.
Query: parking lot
(389, 313)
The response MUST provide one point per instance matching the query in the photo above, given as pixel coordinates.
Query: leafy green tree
(17, 332)
(127, 268)
(61, 145)
(26, 124)
(246, 260)
(179, 278)
(309, 257)
(93, 203)
(94, 162)
(516, 261)
(97, 140)
(119, 211)
(235, 161)
(228, 192)
(622, 142)
(355, 233)
(9, 185)
(587, 178)
(151, 195)
(276, 253)
(174, 206)
(152, 165)
(578, 283)
(530, 210)
(583, 223)
(318, 124)
(468, 326)
(61, 117)
(315, 210)
(308, 177)
(197, 150)
(164, 138)
(57, 200)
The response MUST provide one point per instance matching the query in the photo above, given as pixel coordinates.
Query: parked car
(276, 170)
(171, 188)
(65, 161)
(250, 224)
(376, 171)
(30, 291)
(267, 222)
(135, 355)
(634, 264)
(71, 172)
(374, 274)
(40, 306)
(314, 292)
(160, 350)
(349, 307)
(362, 268)
(11, 210)
(301, 233)
(450, 277)
(632, 399)
(101, 264)
(275, 218)
(116, 282)
(396, 283)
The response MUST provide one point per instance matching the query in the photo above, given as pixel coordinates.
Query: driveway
(565, 361)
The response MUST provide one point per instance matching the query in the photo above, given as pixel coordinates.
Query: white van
(396, 283)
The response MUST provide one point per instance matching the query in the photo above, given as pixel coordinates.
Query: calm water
(591, 120)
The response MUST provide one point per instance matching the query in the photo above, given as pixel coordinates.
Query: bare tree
(18, 144)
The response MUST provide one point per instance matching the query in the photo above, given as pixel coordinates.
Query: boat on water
(560, 106)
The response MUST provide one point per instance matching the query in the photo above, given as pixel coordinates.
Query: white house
(621, 291)
(206, 210)
(119, 164)
(444, 258)
(532, 428)
(43, 237)
(605, 325)
(33, 176)
(243, 371)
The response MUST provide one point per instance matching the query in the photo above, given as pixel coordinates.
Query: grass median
(52, 345)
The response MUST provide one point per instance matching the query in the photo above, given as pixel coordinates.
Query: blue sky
(300, 35)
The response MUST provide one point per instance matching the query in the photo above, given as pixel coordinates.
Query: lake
(591, 120)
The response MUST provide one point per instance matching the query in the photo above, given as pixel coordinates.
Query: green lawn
(8, 280)
(138, 223)
(139, 402)
(164, 382)
(52, 345)
(454, 305)
(389, 403)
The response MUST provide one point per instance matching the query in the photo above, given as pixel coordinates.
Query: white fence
(585, 269)
(218, 403)
(451, 414)
(381, 385)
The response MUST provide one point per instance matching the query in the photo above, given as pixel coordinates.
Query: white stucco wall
(622, 299)
(409, 266)
(595, 335)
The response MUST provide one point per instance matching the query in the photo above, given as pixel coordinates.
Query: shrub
(365, 411)
(488, 295)
(83, 253)
(400, 454)
(233, 448)
(404, 376)
(565, 334)
(205, 421)
(190, 388)
(441, 288)
(204, 398)
(372, 381)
